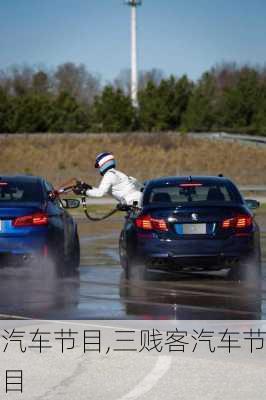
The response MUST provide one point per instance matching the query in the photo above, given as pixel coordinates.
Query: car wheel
(122, 253)
(73, 258)
(134, 269)
(66, 265)
(248, 269)
(57, 259)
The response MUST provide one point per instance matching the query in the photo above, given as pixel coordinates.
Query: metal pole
(134, 64)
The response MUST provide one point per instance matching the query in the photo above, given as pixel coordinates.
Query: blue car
(35, 227)
(193, 223)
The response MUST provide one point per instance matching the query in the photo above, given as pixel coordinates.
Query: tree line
(71, 99)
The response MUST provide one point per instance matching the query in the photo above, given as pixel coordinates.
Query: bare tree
(16, 80)
(76, 80)
(225, 74)
(21, 77)
(5, 82)
(123, 80)
(41, 82)
(154, 75)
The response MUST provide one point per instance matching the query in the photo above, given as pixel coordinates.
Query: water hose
(85, 209)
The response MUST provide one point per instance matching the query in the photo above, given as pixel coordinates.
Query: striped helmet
(105, 161)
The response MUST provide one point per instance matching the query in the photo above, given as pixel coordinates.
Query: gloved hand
(81, 188)
(53, 195)
(123, 207)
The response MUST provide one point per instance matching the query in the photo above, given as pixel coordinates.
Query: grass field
(60, 157)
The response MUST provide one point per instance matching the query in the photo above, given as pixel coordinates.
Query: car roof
(168, 180)
(22, 178)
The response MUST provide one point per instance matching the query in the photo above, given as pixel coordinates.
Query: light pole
(134, 64)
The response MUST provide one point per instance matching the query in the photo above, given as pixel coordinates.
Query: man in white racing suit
(123, 188)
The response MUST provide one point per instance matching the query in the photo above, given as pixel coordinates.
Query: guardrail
(258, 140)
(253, 188)
(255, 192)
(232, 137)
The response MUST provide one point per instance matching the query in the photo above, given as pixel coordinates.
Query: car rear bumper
(17, 260)
(20, 250)
(196, 262)
(194, 254)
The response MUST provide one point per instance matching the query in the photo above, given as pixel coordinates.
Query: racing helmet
(105, 161)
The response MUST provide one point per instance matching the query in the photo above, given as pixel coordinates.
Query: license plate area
(191, 229)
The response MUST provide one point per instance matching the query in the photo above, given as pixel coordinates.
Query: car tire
(248, 269)
(134, 269)
(66, 265)
(73, 258)
(123, 256)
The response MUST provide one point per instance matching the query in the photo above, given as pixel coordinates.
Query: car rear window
(20, 191)
(192, 193)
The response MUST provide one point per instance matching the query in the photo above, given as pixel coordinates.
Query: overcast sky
(177, 36)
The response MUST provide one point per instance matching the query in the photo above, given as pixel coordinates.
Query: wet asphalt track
(101, 292)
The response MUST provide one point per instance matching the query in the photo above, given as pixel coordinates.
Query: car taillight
(238, 222)
(36, 219)
(148, 223)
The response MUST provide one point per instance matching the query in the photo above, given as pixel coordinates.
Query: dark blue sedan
(192, 223)
(35, 227)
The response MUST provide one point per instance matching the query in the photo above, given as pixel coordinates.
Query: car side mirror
(70, 203)
(252, 204)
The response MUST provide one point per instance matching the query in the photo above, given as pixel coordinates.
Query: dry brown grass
(60, 157)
